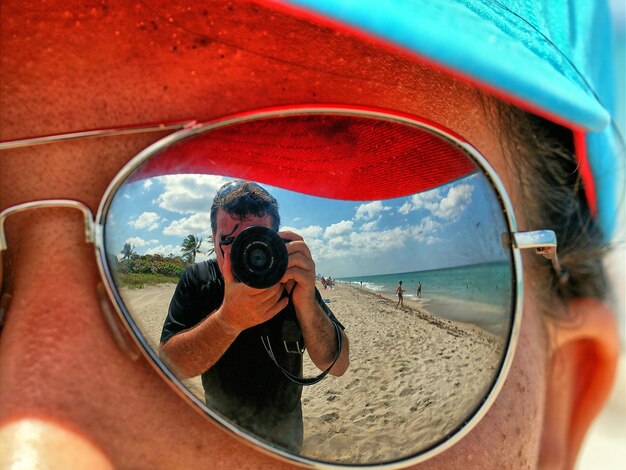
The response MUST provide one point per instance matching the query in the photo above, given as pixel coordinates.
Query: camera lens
(258, 257)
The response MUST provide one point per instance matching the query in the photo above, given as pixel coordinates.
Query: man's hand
(300, 272)
(243, 306)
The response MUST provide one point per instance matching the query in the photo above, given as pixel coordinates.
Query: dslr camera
(258, 257)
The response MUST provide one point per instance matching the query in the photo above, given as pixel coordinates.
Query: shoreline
(412, 304)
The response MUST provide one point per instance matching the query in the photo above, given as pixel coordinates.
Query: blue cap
(552, 58)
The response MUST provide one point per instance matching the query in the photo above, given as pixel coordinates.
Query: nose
(68, 393)
(52, 335)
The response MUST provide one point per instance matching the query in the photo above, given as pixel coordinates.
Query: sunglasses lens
(406, 233)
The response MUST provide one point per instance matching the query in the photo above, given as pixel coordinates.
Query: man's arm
(193, 351)
(321, 339)
(317, 328)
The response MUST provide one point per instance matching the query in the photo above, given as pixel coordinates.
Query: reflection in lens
(421, 282)
(258, 258)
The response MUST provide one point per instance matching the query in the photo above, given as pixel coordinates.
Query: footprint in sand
(330, 417)
(353, 384)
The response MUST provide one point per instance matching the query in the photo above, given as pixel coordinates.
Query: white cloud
(164, 250)
(338, 242)
(147, 221)
(456, 201)
(338, 228)
(427, 225)
(136, 241)
(308, 233)
(448, 206)
(370, 210)
(196, 224)
(373, 243)
(147, 183)
(428, 200)
(297, 219)
(369, 226)
(187, 194)
(405, 208)
(349, 244)
(426, 231)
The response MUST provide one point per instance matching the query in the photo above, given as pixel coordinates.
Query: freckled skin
(78, 67)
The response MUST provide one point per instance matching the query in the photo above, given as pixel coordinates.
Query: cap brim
(335, 155)
(482, 41)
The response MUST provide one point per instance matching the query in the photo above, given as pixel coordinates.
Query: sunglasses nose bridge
(49, 203)
(5, 297)
(90, 229)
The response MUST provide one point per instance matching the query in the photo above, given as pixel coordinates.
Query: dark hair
(542, 156)
(243, 199)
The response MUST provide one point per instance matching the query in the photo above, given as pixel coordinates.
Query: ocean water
(480, 294)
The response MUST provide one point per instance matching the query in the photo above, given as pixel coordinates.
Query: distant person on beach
(215, 324)
(323, 283)
(400, 291)
(419, 288)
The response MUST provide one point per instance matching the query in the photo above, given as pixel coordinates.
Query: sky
(457, 224)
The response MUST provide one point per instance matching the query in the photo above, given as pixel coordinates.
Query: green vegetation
(139, 281)
(135, 271)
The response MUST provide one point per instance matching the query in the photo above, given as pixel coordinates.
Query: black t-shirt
(244, 384)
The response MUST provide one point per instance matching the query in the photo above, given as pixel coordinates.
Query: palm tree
(128, 251)
(209, 241)
(190, 248)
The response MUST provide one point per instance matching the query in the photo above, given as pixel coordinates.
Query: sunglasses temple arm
(544, 242)
(114, 131)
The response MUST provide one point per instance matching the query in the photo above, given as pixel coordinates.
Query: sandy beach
(412, 379)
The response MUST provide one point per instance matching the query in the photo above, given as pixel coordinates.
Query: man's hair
(542, 156)
(244, 199)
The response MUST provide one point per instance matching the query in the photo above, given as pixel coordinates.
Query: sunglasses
(417, 258)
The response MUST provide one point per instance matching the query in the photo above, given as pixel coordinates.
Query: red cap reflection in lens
(327, 155)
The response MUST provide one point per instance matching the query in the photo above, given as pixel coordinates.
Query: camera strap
(290, 335)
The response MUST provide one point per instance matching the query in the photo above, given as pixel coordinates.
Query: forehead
(102, 66)
(71, 66)
(226, 222)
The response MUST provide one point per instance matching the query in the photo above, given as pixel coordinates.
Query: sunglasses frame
(543, 241)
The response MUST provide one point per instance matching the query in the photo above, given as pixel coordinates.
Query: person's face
(226, 224)
(78, 67)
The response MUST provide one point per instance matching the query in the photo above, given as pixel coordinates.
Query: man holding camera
(238, 338)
